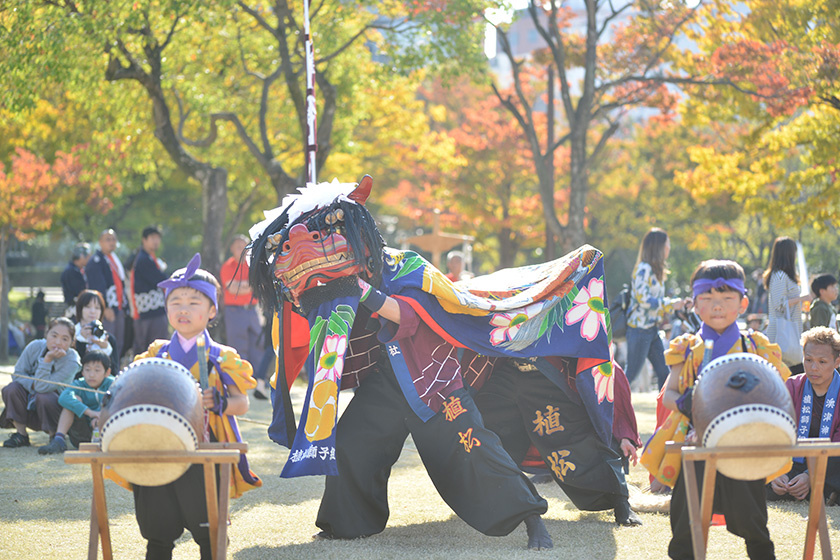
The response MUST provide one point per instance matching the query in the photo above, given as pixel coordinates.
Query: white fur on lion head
(309, 198)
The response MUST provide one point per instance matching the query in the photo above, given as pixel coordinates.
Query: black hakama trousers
(525, 407)
(163, 512)
(466, 462)
(742, 502)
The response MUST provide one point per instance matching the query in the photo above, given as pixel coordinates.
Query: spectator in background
(455, 265)
(783, 289)
(824, 287)
(648, 305)
(73, 279)
(148, 307)
(242, 321)
(31, 400)
(106, 275)
(90, 333)
(39, 314)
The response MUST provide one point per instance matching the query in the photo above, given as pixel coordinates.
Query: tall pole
(311, 123)
(550, 245)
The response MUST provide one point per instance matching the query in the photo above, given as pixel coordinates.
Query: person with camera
(90, 333)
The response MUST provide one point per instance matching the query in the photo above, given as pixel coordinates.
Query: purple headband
(182, 280)
(706, 285)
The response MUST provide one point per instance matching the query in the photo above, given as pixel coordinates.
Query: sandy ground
(45, 509)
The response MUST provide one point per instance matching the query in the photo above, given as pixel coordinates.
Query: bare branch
(268, 152)
(660, 79)
(242, 210)
(558, 52)
(117, 71)
(602, 142)
(831, 100)
(345, 46)
(560, 141)
(613, 14)
(259, 19)
(658, 55)
(171, 31)
(245, 69)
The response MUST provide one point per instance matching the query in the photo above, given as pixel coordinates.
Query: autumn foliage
(26, 196)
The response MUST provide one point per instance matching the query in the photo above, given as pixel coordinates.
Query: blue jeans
(645, 344)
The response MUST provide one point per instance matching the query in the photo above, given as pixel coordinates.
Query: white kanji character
(806, 399)
(806, 410)
(824, 430)
(826, 417)
(332, 453)
(393, 350)
(829, 403)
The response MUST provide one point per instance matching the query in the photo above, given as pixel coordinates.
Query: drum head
(748, 426)
(149, 427)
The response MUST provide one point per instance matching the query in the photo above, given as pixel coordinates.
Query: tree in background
(201, 64)
(26, 207)
(607, 60)
(493, 195)
(782, 163)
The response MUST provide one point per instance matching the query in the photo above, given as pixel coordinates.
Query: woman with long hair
(648, 305)
(783, 290)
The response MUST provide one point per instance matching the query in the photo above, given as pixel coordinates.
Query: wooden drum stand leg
(99, 515)
(816, 510)
(699, 505)
(224, 508)
(209, 455)
(212, 504)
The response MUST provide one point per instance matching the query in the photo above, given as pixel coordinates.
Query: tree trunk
(4, 299)
(283, 184)
(578, 185)
(508, 248)
(214, 208)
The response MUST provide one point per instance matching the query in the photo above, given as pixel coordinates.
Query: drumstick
(58, 383)
(203, 379)
(203, 376)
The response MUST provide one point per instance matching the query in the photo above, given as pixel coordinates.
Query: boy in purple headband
(719, 299)
(163, 512)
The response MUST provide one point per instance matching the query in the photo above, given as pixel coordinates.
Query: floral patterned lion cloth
(557, 308)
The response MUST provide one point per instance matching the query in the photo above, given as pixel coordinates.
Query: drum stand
(208, 454)
(817, 453)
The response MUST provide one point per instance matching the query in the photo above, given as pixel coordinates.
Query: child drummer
(163, 512)
(719, 299)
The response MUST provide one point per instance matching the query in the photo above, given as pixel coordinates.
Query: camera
(96, 329)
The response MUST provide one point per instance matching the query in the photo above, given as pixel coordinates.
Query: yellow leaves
(437, 113)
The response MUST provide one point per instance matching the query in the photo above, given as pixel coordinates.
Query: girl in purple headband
(163, 512)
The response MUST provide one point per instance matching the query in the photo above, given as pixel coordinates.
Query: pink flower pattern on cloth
(507, 324)
(604, 381)
(331, 361)
(588, 310)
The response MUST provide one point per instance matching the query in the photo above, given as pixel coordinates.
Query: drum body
(740, 400)
(154, 405)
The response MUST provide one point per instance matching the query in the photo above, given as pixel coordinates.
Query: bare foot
(625, 516)
(538, 537)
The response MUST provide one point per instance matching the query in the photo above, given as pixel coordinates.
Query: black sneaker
(259, 395)
(16, 440)
(55, 446)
